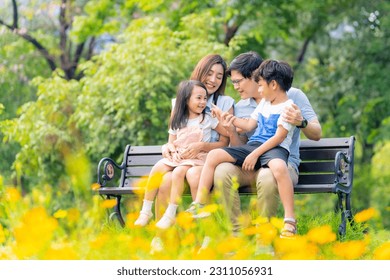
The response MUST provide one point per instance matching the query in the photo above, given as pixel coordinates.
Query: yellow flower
(99, 241)
(321, 235)
(95, 186)
(185, 220)
(250, 231)
(211, 208)
(35, 231)
(350, 250)
(2, 234)
(268, 233)
(366, 215)
(205, 254)
(277, 222)
(260, 220)
(382, 252)
(230, 244)
(73, 214)
(297, 248)
(188, 240)
(108, 203)
(62, 252)
(60, 214)
(12, 194)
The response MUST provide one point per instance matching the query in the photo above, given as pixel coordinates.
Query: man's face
(246, 87)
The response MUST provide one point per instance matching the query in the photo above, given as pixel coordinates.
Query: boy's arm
(251, 159)
(245, 124)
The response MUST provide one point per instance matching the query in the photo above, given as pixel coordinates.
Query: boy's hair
(180, 114)
(279, 71)
(204, 66)
(245, 63)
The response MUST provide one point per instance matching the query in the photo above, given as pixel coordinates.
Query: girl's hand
(168, 150)
(216, 111)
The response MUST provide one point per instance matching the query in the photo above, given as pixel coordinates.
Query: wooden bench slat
(316, 179)
(316, 166)
(145, 159)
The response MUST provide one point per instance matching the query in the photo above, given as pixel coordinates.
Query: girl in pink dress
(189, 123)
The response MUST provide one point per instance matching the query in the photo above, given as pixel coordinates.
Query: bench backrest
(326, 165)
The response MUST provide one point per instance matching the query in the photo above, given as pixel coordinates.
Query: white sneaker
(156, 246)
(143, 219)
(165, 222)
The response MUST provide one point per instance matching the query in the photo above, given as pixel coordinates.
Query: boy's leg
(285, 186)
(214, 158)
(193, 176)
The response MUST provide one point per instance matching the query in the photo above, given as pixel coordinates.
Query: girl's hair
(180, 112)
(203, 68)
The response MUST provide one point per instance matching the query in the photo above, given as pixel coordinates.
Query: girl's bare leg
(163, 196)
(178, 177)
(150, 193)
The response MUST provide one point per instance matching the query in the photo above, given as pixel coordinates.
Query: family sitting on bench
(270, 115)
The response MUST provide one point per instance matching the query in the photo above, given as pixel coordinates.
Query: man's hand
(292, 114)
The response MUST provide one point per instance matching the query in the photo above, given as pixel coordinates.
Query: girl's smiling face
(197, 102)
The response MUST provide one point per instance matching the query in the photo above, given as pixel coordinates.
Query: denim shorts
(239, 153)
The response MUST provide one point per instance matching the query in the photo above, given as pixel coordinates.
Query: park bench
(326, 167)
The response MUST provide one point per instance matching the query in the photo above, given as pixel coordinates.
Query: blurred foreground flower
(350, 250)
(35, 231)
(321, 235)
(298, 248)
(108, 203)
(366, 215)
(154, 182)
(12, 194)
(185, 220)
(382, 252)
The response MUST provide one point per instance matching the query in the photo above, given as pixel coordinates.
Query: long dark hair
(204, 66)
(180, 114)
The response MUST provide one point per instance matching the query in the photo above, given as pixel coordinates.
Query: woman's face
(214, 78)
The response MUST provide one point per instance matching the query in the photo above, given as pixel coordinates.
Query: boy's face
(247, 88)
(266, 90)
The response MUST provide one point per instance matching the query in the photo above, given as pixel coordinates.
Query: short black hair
(279, 71)
(245, 63)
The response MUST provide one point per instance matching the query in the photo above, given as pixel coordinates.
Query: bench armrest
(343, 172)
(106, 170)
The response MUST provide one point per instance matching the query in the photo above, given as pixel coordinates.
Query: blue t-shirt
(244, 108)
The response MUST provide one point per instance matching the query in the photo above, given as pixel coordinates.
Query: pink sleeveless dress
(186, 136)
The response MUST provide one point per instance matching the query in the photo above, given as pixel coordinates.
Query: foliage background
(117, 64)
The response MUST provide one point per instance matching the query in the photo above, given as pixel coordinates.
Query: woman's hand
(192, 150)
